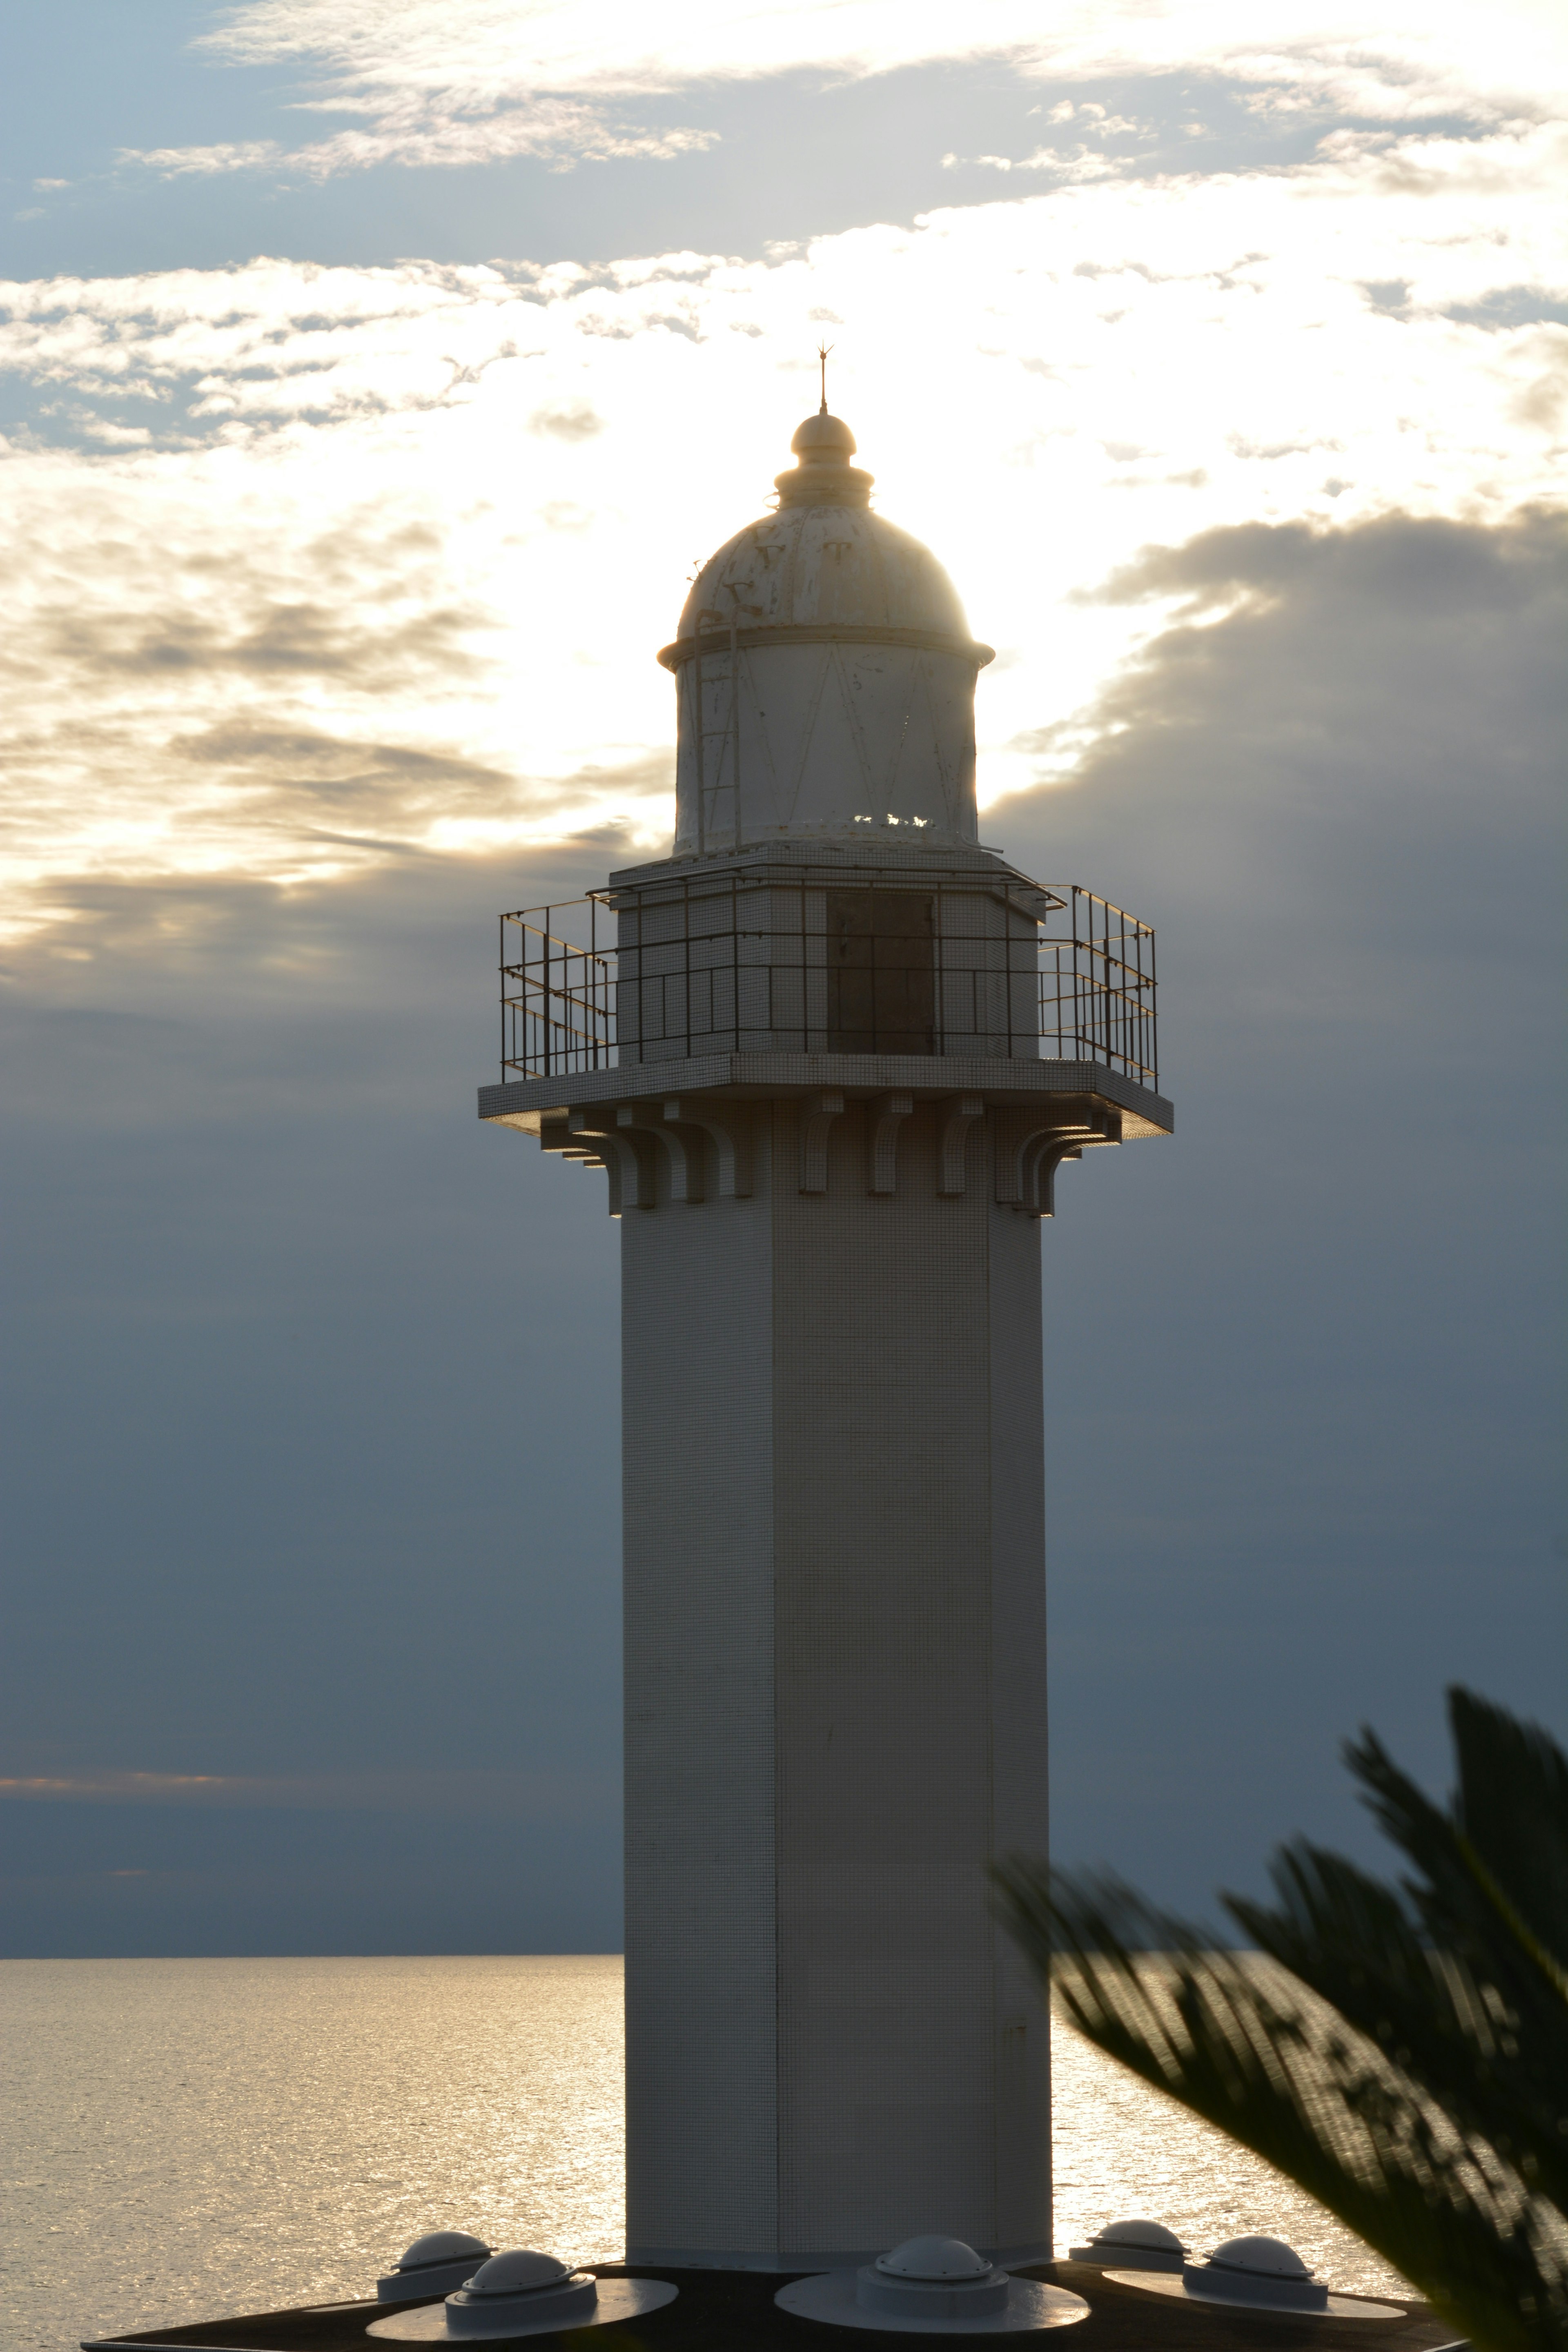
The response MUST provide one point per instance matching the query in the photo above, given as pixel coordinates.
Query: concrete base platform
(734, 2311)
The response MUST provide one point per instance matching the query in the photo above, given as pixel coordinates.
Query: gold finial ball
(823, 475)
(824, 440)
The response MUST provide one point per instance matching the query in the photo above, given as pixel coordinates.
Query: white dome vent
(519, 2294)
(1251, 2273)
(931, 2277)
(1135, 2245)
(1260, 2258)
(521, 2289)
(932, 2260)
(932, 2281)
(518, 2272)
(433, 2265)
(1260, 2272)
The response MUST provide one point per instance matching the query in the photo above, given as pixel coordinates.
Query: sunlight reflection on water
(1120, 2150)
(184, 2138)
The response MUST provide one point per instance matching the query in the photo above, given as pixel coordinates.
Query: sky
(371, 381)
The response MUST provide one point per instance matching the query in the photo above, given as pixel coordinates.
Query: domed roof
(824, 561)
(517, 2272)
(441, 2246)
(1153, 2236)
(1271, 2257)
(935, 2258)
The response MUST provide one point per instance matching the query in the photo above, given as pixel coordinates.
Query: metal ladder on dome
(713, 782)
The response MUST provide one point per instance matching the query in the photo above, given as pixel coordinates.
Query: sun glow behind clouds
(386, 573)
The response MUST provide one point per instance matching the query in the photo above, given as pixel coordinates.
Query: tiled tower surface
(836, 1709)
(814, 1075)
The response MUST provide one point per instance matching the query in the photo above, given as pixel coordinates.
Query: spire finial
(825, 445)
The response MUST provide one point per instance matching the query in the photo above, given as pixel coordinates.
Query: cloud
(396, 545)
(510, 1795)
(202, 162)
(1333, 781)
(566, 134)
(1409, 653)
(1334, 720)
(437, 85)
(294, 640)
(1423, 571)
(576, 423)
(1078, 164)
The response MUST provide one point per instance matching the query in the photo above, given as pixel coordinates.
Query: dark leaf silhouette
(1400, 2053)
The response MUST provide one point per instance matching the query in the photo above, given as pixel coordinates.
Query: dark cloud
(313, 1410)
(1413, 569)
(1396, 687)
(144, 1880)
(1317, 1475)
(318, 1364)
(358, 650)
(302, 778)
(154, 963)
(303, 751)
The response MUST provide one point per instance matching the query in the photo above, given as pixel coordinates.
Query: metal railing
(557, 991)
(742, 964)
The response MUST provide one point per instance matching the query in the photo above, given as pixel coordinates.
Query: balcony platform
(524, 1103)
(734, 2311)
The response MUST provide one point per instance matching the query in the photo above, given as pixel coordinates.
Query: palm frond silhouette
(1400, 2052)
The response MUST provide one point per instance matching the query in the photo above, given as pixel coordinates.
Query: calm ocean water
(183, 2139)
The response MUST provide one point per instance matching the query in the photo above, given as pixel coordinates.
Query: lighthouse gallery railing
(1017, 970)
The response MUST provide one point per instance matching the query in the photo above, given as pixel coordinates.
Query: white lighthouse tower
(830, 1052)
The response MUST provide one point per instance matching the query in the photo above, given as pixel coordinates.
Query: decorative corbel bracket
(555, 1137)
(817, 1113)
(1019, 1131)
(628, 1157)
(683, 1146)
(1043, 1151)
(1042, 1158)
(728, 1126)
(887, 1114)
(958, 1115)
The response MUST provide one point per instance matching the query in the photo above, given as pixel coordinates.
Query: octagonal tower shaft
(834, 1620)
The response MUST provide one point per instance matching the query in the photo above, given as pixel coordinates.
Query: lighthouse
(829, 1054)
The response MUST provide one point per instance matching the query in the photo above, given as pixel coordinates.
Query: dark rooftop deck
(732, 2311)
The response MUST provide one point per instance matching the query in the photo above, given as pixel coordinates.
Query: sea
(185, 2139)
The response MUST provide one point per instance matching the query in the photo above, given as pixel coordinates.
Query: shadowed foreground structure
(734, 2311)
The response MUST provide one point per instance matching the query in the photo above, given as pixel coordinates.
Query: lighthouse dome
(826, 672)
(824, 558)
